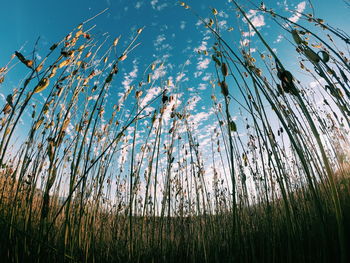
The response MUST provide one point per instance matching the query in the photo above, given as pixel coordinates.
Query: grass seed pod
(81, 48)
(286, 76)
(122, 57)
(109, 78)
(53, 47)
(20, 57)
(224, 69)
(311, 55)
(64, 63)
(79, 33)
(65, 124)
(116, 40)
(38, 123)
(296, 37)
(7, 109)
(39, 68)
(138, 94)
(42, 85)
(215, 59)
(29, 63)
(324, 56)
(233, 126)
(224, 88)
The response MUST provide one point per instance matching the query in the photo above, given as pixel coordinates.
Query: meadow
(82, 184)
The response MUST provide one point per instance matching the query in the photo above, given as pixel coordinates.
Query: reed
(98, 181)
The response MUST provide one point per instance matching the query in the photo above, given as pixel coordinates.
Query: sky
(172, 35)
(170, 31)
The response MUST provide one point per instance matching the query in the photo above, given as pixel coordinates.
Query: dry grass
(83, 187)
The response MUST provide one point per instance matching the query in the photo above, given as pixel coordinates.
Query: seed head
(42, 85)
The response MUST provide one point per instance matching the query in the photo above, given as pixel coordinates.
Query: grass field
(82, 184)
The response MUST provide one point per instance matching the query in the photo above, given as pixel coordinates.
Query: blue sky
(170, 31)
(171, 35)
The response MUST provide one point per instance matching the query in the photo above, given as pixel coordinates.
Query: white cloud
(182, 25)
(197, 119)
(258, 21)
(151, 93)
(203, 63)
(300, 8)
(222, 24)
(223, 14)
(192, 103)
(180, 77)
(279, 39)
(160, 39)
(159, 72)
(202, 47)
(38, 56)
(138, 4)
(317, 83)
(248, 34)
(156, 6)
(207, 77)
(154, 3)
(202, 86)
(128, 79)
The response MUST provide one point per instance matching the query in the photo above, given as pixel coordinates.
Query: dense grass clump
(84, 186)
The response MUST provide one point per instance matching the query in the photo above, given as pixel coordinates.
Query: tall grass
(84, 185)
